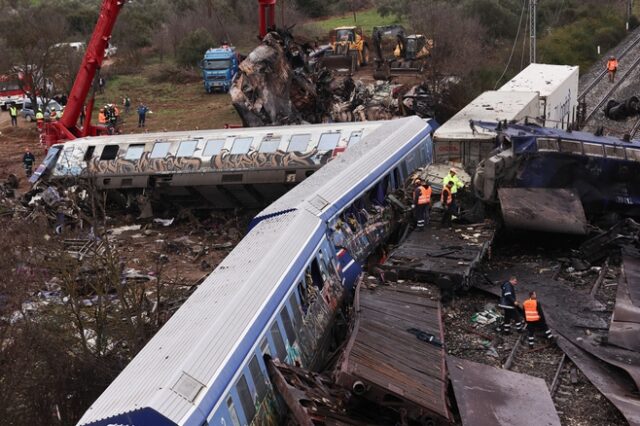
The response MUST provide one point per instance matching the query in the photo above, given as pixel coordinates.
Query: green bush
(191, 49)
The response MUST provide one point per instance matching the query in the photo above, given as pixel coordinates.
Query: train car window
(328, 141)
(327, 263)
(295, 307)
(304, 297)
(232, 412)
(633, 154)
(213, 147)
(134, 152)
(241, 145)
(281, 350)
(258, 378)
(269, 145)
(109, 152)
(187, 148)
(242, 387)
(317, 275)
(355, 137)
(397, 178)
(288, 326)
(299, 143)
(89, 154)
(160, 150)
(264, 347)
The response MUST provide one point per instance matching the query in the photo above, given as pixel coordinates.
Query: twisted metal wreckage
(281, 82)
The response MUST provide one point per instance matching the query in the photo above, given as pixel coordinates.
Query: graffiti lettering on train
(224, 161)
(256, 160)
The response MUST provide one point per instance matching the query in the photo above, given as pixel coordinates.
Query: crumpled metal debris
(277, 85)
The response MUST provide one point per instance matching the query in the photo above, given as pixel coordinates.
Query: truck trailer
(457, 141)
(557, 87)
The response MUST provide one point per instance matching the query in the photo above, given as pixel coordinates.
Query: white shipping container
(557, 86)
(455, 141)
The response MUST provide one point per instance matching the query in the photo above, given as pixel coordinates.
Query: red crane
(67, 128)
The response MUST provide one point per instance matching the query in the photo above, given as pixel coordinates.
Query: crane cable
(513, 48)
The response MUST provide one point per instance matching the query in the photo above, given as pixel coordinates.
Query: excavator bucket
(543, 209)
(340, 63)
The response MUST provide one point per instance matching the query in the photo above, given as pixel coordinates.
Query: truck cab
(219, 66)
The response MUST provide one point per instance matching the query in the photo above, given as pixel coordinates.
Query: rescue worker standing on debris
(509, 303)
(13, 112)
(27, 161)
(612, 67)
(534, 318)
(446, 198)
(421, 203)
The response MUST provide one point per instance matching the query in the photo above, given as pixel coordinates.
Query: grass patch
(367, 19)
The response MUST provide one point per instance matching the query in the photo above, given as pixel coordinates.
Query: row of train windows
(247, 399)
(297, 143)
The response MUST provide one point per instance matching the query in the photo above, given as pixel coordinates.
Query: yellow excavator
(349, 50)
(397, 52)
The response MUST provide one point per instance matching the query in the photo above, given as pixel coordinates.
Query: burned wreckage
(558, 181)
(282, 82)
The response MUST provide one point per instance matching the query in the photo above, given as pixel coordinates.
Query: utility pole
(629, 13)
(532, 31)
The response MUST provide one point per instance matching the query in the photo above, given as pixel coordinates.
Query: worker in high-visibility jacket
(421, 203)
(534, 318)
(102, 118)
(452, 177)
(509, 304)
(612, 67)
(446, 198)
(39, 119)
(13, 112)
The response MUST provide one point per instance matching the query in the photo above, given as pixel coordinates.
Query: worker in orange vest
(102, 118)
(446, 198)
(534, 318)
(612, 67)
(421, 203)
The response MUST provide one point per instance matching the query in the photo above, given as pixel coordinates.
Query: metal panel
(543, 209)
(625, 323)
(491, 396)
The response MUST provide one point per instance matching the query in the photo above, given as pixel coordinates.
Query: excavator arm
(67, 127)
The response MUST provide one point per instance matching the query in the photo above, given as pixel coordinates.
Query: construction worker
(612, 67)
(534, 318)
(27, 161)
(452, 177)
(142, 114)
(126, 103)
(421, 203)
(13, 112)
(39, 119)
(446, 198)
(102, 118)
(509, 303)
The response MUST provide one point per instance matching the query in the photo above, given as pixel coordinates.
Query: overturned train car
(224, 168)
(276, 295)
(555, 180)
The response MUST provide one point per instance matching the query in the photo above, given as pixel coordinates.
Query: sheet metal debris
(442, 256)
(491, 396)
(394, 356)
(543, 209)
(625, 323)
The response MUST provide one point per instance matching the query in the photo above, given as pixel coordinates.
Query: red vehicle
(11, 90)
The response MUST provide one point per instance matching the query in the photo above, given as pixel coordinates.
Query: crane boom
(67, 128)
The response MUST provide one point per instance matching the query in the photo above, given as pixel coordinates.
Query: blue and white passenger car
(275, 295)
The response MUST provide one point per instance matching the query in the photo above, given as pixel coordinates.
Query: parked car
(30, 115)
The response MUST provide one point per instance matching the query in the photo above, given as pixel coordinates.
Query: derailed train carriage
(224, 168)
(276, 294)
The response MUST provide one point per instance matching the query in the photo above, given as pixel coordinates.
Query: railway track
(599, 91)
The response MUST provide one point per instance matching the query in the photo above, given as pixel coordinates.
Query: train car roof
(491, 105)
(331, 188)
(187, 366)
(219, 133)
(542, 78)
